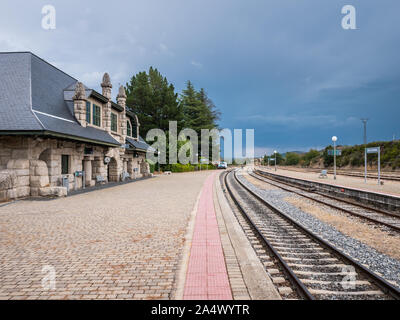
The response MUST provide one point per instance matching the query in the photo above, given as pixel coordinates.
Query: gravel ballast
(387, 267)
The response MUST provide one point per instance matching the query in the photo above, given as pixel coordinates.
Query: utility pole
(334, 139)
(364, 121)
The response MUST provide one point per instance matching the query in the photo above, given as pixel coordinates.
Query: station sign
(79, 173)
(331, 152)
(373, 150)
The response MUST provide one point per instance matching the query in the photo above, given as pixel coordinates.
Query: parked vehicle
(222, 165)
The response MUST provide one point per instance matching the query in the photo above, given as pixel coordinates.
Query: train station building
(56, 134)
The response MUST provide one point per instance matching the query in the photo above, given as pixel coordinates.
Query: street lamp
(334, 139)
(364, 121)
(197, 156)
(158, 161)
(275, 158)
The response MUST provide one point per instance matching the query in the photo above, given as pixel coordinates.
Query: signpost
(332, 152)
(79, 174)
(378, 151)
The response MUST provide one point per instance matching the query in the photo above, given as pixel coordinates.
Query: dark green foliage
(198, 110)
(189, 167)
(154, 101)
(280, 160)
(292, 159)
(310, 157)
(265, 160)
(354, 155)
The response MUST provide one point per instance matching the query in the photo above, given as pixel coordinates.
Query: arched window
(128, 128)
(134, 127)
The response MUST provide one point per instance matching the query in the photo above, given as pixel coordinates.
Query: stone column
(125, 165)
(130, 168)
(80, 104)
(87, 167)
(106, 91)
(121, 99)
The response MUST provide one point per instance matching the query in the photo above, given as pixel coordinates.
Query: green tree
(198, 110)
(265, 160)
(292, 159)
(153, 99)
(279, 159)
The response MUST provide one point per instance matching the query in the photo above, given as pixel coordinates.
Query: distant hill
(351, 157)
(296, 152)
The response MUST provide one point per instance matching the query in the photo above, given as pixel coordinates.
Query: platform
(221, 263)
(391, 188)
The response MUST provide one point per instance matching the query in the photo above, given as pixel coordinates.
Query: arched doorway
(46, 157)
(112, 170)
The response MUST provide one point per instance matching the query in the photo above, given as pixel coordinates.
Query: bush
(189, 167)
(152, 167)
(292, 159)
(311, 157)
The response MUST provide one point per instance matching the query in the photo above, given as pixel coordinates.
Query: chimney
(121, 100)
(106, 87)
(79, 99)
(121, 97)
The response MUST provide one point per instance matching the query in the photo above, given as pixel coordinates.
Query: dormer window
(96, 115)
(88, 112)
(128, 128)
(114, 122)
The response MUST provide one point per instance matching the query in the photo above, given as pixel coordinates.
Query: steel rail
(385, 176)
(396, 228)
(361, 205)
(300, 287)
(383, 284)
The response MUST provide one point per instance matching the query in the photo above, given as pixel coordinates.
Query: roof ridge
(35, 55)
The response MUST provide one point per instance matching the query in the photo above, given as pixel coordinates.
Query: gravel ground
(123, 242)
(383, 239)
(382, 264)
(390, 187)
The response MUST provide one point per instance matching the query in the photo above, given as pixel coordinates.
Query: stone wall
(31, 166)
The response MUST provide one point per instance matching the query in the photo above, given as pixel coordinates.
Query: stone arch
(112, 170)
(45, 156)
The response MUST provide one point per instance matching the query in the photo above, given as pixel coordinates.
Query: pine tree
(154, 101)
(199, 111)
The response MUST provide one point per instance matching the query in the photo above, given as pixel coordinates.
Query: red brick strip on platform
(206, 277)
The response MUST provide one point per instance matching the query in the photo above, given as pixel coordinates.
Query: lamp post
(275, 158)
(197, 155)
(334, 139)
(158, 162)
(364, 121)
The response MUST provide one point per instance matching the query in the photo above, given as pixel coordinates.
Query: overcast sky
(286, 68)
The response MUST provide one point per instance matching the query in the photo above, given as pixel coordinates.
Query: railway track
(384, 176)
(373, 215)
(314, 267)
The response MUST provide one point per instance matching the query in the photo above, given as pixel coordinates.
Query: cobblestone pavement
(119, 243)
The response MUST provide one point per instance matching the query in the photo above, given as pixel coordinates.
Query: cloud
(299, 120)
(165, 50)
(196, 64)
(92, 79)
(261, 151)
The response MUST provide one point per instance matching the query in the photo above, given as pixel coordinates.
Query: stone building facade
(58, 135)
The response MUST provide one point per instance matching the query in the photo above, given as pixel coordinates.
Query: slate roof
(75, 130)
(15, 93)
(140, 145)
(36, 96)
